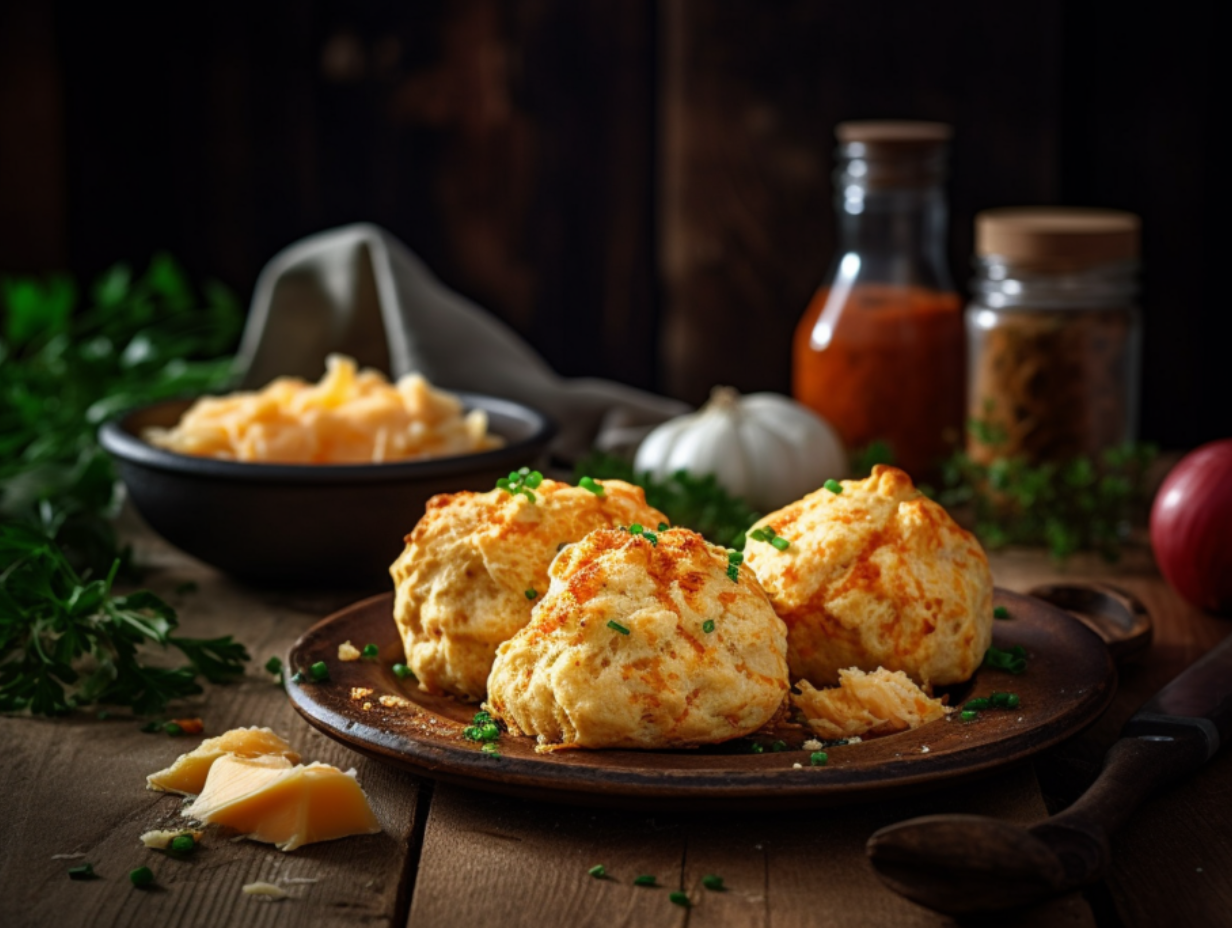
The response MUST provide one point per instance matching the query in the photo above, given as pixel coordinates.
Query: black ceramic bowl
(305, 524)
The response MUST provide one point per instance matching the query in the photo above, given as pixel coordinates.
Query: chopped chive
(978, 703)
(756, 748)
(818, 759)
(142, 876)
(173, 729)
(778, 746)
(319, 672)
(274, 665)
(1004, 700)
(182, 844)
(969, 715)
(833, 486)
(713, 883)
(681, 899)
(521, 482)
(733, 573)
(663, 527)
(82, 872)
(297, 677)
(1012, 661)
(708, 626)
(652, 538)
(482, 716)
(151, 728)
(1000, 613)
(594, 486)
(531, 594)
(636, 529)
(490, 749)
(645, 879)
(735, 557)
(598, 871)
(617, 627)
(370, 651)
(780, 543)
(402, 672)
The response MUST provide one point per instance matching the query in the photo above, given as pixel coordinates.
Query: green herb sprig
(67, 640)
(68, 363)
(1081, 504)
(699, 503)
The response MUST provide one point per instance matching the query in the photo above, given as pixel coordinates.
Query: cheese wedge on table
(188, 774)
(270, 800)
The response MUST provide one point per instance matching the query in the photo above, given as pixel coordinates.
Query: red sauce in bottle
(885, 362)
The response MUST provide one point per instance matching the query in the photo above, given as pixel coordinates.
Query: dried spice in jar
(1053, 333)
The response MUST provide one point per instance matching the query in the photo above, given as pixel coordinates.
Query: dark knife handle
(1199, 699)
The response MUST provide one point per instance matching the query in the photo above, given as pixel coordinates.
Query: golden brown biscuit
(877, 703)
(876, 576)
(643, 643)
(475, 564)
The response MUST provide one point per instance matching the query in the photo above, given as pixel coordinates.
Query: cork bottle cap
(897, 133)
(892, 153)
(1057, 237)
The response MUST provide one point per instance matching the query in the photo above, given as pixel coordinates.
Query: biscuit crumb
(348, 652)
(360, 692)
(394, 702)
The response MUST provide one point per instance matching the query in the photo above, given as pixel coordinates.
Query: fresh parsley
(67, 640)
(1071, 506)
(69, 361)
(699, 503)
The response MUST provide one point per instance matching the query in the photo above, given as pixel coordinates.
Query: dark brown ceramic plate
(1069, 681)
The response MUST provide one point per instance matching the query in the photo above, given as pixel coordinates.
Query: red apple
(1191, 527)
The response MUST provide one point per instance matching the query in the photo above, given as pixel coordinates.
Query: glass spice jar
(879, 351)
(1053, 333)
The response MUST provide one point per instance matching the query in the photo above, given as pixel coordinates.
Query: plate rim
(707, 788)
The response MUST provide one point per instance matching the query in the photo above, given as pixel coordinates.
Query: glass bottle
(1054, 333)
(879, 351)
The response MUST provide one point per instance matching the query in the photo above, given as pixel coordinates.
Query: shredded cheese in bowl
(350, 417)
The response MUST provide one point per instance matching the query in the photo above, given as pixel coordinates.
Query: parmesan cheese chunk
(269, 890)
(269, 800)
(188, 774)
(161, 840)
(877, 703)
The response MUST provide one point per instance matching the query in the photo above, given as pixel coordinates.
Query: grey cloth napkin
(359, 291)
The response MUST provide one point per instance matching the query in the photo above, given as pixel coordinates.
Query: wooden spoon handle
(1134, 768)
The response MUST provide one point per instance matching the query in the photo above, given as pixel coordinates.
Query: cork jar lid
(1057, 236)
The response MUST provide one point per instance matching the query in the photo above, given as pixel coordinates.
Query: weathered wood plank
(77, 786)
(488, 860)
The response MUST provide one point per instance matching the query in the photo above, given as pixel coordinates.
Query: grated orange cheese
(350, 417)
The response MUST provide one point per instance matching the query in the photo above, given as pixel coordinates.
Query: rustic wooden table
(73, 791)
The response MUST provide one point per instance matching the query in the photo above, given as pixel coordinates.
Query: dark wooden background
(642, 189)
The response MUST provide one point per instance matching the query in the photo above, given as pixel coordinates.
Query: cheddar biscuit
(643, 640)
(876, 575)
(476, 563)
